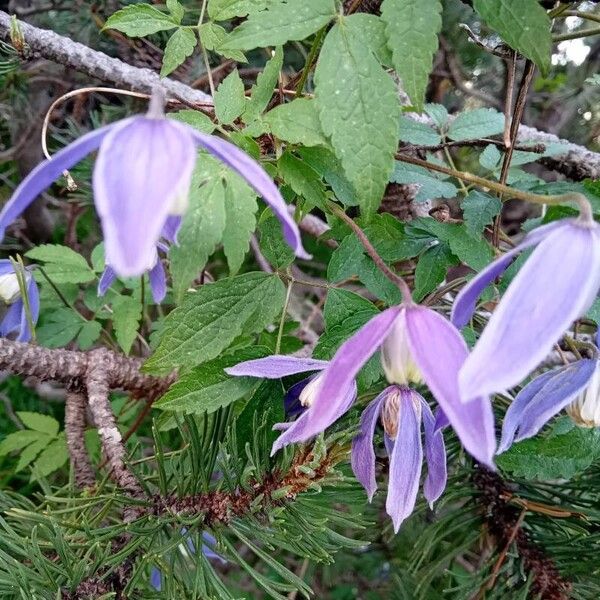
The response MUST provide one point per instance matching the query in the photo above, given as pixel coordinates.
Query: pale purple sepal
(259, 180)
(557, 284)
(464, 304)
(143, 169)
(276, 366)
(439, 351)
(158, 282)
(15, 319)
(156, 579)
(171, 229)
(106, 280)
(435, 455)
(543, 398)
(363, 453)
(406, 463)
(47, 172)
(291, 400)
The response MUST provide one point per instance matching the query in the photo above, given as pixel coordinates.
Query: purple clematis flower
(557, 285)
(401, 410)
(141, 178)
(15, 320)
(416, 342)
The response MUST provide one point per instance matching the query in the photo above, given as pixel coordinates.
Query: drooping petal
(171, 228)
(158, 282)
(47, 172)
(276, 366)
(106, 280)
(464, 304)
(144, 166)
(435, 455)
(291, 401)
(6, 266)
(345, 365)
(363, 454)
(303, 429)
(209, 542)
(12, 319)
(555, 286)
(405, 464)
(259, 180)
(547, 395)
(441, 419)
(439, 351)
(156, 579)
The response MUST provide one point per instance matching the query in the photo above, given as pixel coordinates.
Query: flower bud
(396, 357)
(585, 411)
(9, 288)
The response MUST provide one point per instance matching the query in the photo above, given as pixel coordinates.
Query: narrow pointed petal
(363, 454)
(6, 266)
(555, 286)
(171, 228)
(47, 172)
(276, 366)
(441, 420)
(440, 351)
(303, 429)
(291, 401)
(143, 167)
(405, 465)
(259, 180)
(156, 579)
(345, 365)
(106, 280)
(12, 319)
(158, 282)
(435, 455)
(464, 304)
(559, 391)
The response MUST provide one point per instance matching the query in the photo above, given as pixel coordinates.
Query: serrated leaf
(296, 122)
(195, 119)
(212, 37)
(51, 459)
(523, 24)
(229, 99)
(280, 23)
(478, 123)
(303, 180)
(412, 28)
(89, 334)
(127, 313)
(176, 9)
(140, 20)
(63, 265)
(62, 326)
(273, 245)
(438, 113)
(479, 210)
(207, 388)
(222, 10)
(17, 440)
(430, 186)
(431, 269)
(490, 158)
(240, 220)
(414, 132)
(208, 320)
(262, 91)
(180, 45)
(360, 124)
(202, 226)
(39, 422)
(474, 251)
(31, 452)
(372, 29)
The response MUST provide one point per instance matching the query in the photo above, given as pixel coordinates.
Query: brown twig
(75, 432)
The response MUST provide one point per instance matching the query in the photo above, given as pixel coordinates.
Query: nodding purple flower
(556, 285)
(15, 321)
(141, 178)
(401, 411)
(575, 387)
(416, 343)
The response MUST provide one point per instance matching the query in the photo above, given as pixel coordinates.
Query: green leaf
(208, 320)
(296, 122)
(240, 220)
(282, 22)
(207, 388)
(222, 10)
(478, 123)
(177, 11)
(140, 20)
(325, 163)
(17, 440)
(262, 91)
(430, 185)
(195, 119)
(523, 24)
(202, 226)
(552, 457)
(431, 269)
(303, 180)
(30, 453)
(63, 265)
(362, 125)
(273, 244)
(62, 326)
(438, 113)
(412, 28)
(38, 422)
(414, 132)
(594, 312)
(212, 37)
(89, 334)
(180, 45)
(230, 100)
(479, 210)
(473, 251)
(127, 313)
(490, 158)
(51, 459)
(372, 30)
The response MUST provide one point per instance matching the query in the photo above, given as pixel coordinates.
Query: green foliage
(430, 184)
(479, 210)
(296, 122)
(139, 20)
(179, 47)
(230, 100)
(61, 264)
(262, 90)
(126, 315)
(273, 245)
(478, 123)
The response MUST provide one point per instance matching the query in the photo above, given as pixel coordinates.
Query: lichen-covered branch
(75, 429)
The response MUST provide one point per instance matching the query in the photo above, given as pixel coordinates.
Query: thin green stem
(21, 274)
(582, 15)
(211, 83)
(463, 187)
(314, 49)
(283, 315)
(563, 37)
